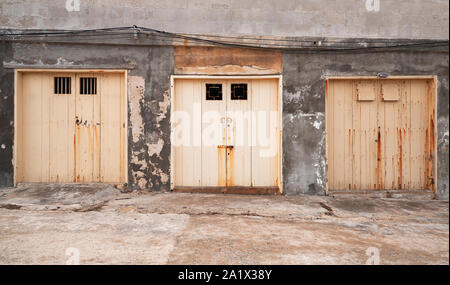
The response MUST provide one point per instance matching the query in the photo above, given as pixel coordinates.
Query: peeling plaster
(136, 89)
(155, 149)
(163, 107)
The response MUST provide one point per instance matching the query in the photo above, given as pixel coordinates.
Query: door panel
(265, 133)
(392, 135)
(239, 133)
(32, 127)
(112, 132)
(62, 130)
(419, 111)
(390, 142)
(214, 134)
(86, 128)
(186, 126)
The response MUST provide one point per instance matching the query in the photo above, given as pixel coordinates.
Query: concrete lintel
(43, 66)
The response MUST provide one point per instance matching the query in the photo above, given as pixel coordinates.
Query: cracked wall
(304, 144)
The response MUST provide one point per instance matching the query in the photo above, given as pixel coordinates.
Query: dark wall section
(304, 163)
(6, 117)
(153, 65)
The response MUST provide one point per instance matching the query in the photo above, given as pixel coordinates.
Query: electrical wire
(169, 37)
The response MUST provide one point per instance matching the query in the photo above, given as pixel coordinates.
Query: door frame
(18, 92)
(433, 101)
(228, 77)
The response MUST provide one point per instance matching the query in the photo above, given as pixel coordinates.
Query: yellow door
(62, 127)
(225, 133)
(113, 128)
(380, 134)
(187, 133)
(214, 133)
(87, 128)
(65, 133)
(238, 130)
(265, 133)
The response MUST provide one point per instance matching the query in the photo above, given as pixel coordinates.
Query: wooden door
(265, 133)
(380, 134)
(238, 130)
(87, 128)
(64, 131)
(62, 127)
(225, 133)
(187, 133)
(214, 133)
(113, 138)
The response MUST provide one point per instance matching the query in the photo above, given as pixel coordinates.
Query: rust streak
(379, 161)
(230, 169)
(431, 160)
(427, 181)
(400, 158)
(221, 153)
(74, 157)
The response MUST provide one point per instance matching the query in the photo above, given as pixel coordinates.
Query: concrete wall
(148, 103)
(304, 161)
(322, 18)
(304, 76)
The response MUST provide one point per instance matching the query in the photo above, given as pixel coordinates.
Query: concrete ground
(54, 225)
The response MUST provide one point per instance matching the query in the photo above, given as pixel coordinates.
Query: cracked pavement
(179, 228)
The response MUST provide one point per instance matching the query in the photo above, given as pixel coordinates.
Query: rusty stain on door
(79, 137)
(394, 126)
(235, 159)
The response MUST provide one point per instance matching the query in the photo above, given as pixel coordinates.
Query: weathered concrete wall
(6, 117)
(304, 161)
(148, 103)
(322, 18)
(304, 167)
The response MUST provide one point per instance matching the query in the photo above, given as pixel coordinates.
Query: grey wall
(304, 162)
(6, 117)
(149, 152)
(304, 168)
(321, 18)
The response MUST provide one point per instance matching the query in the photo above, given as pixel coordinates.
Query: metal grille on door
(71, 128)
(217, 125)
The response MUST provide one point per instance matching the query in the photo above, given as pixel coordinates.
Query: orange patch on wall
(226, 61)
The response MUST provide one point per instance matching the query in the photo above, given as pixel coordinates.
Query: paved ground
(144, 228)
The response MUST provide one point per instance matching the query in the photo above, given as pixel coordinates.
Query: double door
(226, 133)
(71, 128)
(381, 134)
